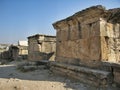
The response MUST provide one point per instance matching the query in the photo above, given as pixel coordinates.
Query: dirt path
(41, 79)
(13, 79)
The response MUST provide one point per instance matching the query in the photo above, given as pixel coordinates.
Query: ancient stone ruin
(41, 47)
(15, 52)
(88, 46)
(11, 53)
(3, 48)
(23, 49)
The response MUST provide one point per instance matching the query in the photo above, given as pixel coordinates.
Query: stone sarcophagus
(86, 41)
(41, 47)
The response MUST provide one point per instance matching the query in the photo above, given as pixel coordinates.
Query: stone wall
(88, 39)
(110, 41)
(85, 38)
(41, 47)
(79, 42)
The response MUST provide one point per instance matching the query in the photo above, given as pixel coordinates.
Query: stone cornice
(111, 15)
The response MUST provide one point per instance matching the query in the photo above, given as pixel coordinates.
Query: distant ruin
(14, 52)
(88, 46)
(41, 47)
(23, 49)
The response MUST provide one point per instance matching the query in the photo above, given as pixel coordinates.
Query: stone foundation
(98, 78)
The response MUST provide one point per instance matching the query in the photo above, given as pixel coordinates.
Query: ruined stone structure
(11, 54)
(3, 48)
(41, 47)
(14, 52)
(23, 49)
(88, 43)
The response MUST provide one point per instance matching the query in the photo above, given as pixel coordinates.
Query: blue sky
(22, 18)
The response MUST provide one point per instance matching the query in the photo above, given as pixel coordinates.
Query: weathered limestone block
(37, 47)
(74, 33)
(103, 29)
(74, 29)
(109, 42)
(73, 49)
(104, 48)
(63, 32)
(90, 28)
(94, 29)
(109, 29)
(83, 49)
(65, 49)
(58, 47)
(110, 32)
(58, 32)
(85, 31)
(47, 47)
(95, 52)
(88, 49)
(117, 31)
(111, 50)
(64, 35)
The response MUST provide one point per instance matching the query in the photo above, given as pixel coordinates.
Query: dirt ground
(41, 79)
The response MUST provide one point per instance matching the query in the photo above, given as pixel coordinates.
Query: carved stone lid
(39, 35)
(99, 11)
